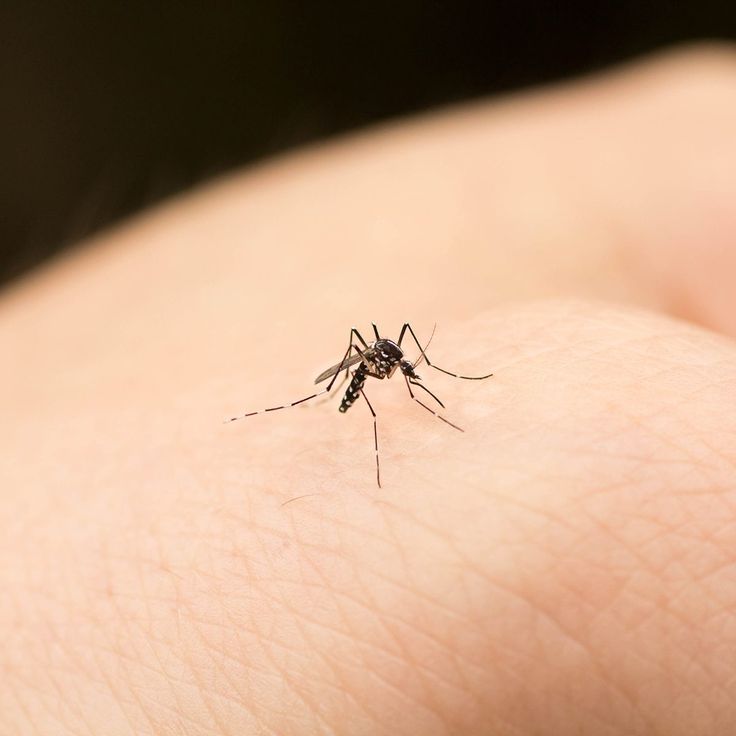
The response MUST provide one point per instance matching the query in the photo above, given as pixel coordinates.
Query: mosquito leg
(344, 358)
(347, 360)
(367, 362)
(406, 327)
(276, 408)
(301, 401)
(422, 386)
(431, 411)
(344, 379)
(347, 370)
(375, 438)
(338, 387)
(357, 334)
(362, 355)
(375, 330)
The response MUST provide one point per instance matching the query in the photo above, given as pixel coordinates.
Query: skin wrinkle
(336, 689)
(348, 630)
(546, 616)
(132, 699)
(34, 718)
(670, 668)
(676, 444)
(696, 664)
(25, 711)
(590, 652)
(728, 460)
(162, 669)
(209, 649)
(686, 624)
(327, 586)
(464, 685)
(384, 680)
(19, 677)
(126, 663)
(283, 602)
(278, 672)
(647, 505)
(664, 532)
(661, 532)
(316, 622)
(552, 421)
(47, 644)
(405, 587)
(642, 558)
(420, 595)
(293, 684)
(694, 464)
(61, 701)
(614, 595)
(421, 668)
(333, 630)
(224, 651)
(149, 637)
(219, 724)
(723, 679)
(639, 419)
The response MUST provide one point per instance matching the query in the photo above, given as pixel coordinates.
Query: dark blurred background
(109, 107)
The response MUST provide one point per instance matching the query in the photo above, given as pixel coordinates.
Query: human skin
(566, 565)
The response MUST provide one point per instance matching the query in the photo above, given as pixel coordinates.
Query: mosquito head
(408, 370)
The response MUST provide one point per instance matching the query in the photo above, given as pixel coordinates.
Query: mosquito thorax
(388, 350)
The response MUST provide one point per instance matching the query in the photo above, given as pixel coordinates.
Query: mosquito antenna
(429, 342)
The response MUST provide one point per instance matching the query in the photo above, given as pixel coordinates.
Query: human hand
(564, 566)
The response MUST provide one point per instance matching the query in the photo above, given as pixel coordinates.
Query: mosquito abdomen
(353, 391)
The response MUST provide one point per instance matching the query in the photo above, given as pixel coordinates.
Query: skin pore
(565, 565)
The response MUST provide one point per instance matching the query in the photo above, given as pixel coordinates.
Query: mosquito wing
(342, 365)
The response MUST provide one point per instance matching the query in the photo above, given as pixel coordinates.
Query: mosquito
(380, 359)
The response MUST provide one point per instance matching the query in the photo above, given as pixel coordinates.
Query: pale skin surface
(566, 566)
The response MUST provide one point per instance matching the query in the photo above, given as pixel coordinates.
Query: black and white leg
(410, 383)
(353, 346)
(342, 383)
(375, 438)
(406, 327)
(276, 408)
(306, 398)
(367, 362)
(344, 362)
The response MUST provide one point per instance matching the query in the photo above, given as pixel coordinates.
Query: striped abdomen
(353, 391)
